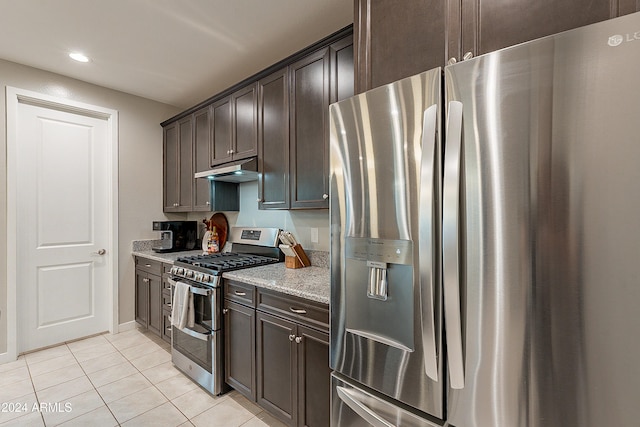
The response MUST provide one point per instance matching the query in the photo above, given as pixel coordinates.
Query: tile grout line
(138, 370)
(94, 388)
(35, 392)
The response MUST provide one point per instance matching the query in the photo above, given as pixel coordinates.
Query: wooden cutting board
(219, 220)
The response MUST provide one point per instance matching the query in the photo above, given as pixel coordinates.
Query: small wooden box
(292, 262)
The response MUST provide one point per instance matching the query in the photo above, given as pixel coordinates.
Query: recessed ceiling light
(78, 57)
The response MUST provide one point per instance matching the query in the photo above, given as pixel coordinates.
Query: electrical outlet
(314, 235)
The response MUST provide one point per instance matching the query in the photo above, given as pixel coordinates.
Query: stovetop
(217, 264)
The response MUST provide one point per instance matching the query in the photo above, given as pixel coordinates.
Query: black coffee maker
(176, 235)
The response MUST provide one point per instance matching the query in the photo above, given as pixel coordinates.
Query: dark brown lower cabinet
(149, 301)
(314, 377)
(293, 371)
(277, 373)
(239, 348)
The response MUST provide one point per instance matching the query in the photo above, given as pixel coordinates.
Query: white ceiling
(179, 52)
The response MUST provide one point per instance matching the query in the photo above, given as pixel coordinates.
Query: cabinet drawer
(301, 310)
(240, 292)
(149, 265)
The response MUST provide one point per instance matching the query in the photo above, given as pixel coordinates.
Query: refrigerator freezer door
(385, 222)
(549, 241)
(353, 406)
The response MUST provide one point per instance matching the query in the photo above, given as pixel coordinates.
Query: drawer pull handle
(240, 293)
(297, 310)
(147, 265)
(168, 305)
(292, 337)
(225, 310)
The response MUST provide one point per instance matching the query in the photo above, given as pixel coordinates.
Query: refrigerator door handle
(450, 244)
(427, 238)
(361, 409)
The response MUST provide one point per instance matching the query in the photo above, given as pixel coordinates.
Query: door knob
(100, 252)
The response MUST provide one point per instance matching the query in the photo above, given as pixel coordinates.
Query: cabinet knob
(231, 151)
(325, 196)
(467, 56)
(259, 200)
(292, 337)
(207, 203)
(298, 340)
(225, 310)
(228, 151)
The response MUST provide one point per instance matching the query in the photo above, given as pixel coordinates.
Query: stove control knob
(174, 270)
(189, 273)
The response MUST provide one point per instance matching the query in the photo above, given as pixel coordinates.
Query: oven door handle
(194, 289)
(194, 334)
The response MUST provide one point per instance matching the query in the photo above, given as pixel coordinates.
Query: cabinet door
(170, 167)
(277, 366)
(245, 123)
(342, 70)
(489, 25)
(221, 133)
(395, 39)
(273, 141)
(239, 348)
(309, 153)
(201, 152)
(142, 299)
(155, 304)
(314, 377)
(185, 165)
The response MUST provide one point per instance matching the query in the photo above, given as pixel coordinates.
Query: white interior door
(63, 231)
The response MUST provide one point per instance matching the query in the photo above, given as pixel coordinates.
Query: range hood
(239, 171)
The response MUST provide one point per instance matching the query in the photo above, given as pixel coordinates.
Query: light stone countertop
(168, 257)
(312, 283)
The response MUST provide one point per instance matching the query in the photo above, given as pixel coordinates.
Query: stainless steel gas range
(198, 350)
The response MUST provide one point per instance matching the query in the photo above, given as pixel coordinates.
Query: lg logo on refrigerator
(618, 39)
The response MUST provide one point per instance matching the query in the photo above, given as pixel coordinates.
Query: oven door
(196, 343)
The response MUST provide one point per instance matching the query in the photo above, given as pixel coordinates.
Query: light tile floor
(111, 380)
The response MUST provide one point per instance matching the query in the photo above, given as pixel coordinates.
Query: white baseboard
(7, 358)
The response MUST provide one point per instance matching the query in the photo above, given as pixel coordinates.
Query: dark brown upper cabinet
(178, 166)
(221, 135)
(293, 140)
(273, 141)
(234, 126)
(201, 160)
(279, 115)
(395, 39)
(309, 126)
(341, 69)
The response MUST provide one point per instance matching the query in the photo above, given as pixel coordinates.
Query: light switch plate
(314, 235)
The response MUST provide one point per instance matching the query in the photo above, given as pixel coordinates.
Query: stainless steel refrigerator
(485, 240)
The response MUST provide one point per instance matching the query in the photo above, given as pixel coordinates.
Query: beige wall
(140, 168)
(299, 222)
